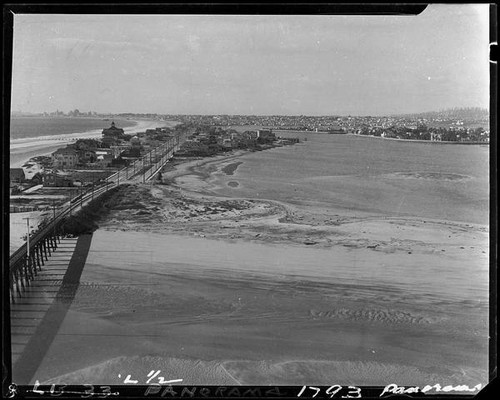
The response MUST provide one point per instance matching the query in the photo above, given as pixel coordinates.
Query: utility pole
(27, 239)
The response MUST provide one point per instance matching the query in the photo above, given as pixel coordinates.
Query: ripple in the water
(429, 175)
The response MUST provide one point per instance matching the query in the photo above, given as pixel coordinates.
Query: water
(362, 174)
(205, 299)
(29, 127)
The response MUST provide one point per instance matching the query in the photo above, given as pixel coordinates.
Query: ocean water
(28, 127)
(369, 175)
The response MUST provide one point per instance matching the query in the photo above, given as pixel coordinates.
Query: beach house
(66, 157)
(112, 135)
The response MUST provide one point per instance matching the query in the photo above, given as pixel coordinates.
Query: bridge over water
(25, 263)
(39, 271)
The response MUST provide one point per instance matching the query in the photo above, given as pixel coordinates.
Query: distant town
(454, 125)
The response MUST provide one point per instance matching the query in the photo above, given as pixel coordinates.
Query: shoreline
(64, 136)
(420, 141)
(22, 149)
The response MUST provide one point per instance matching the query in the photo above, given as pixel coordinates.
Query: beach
(193, 278)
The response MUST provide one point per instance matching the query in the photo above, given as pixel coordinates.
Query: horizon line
(266, 115)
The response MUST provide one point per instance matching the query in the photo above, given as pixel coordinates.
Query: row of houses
(206, 143)
(103, 153)
(114, 147)
(19, 182)
(70, 157)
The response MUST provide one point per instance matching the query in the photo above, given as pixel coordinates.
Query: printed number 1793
(353, 392)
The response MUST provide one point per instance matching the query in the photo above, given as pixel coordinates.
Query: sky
(252, 64)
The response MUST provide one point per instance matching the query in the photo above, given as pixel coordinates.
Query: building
(113, 130)
(57, 180)
(436, 137)
(17, 175)
(227, 143)
(135, 142)
(109, 141)
(112, 135)
(66, 157)
(103, 160)
(335, 128)
(266, 134)
(116, 151)
(86, 156)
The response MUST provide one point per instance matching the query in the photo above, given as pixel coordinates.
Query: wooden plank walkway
(29, 310)
(37, 316)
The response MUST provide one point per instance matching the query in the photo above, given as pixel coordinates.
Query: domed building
(112, 135)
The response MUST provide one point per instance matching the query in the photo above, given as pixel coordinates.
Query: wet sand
(216, 290)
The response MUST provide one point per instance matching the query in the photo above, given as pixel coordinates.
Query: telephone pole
(27, 238)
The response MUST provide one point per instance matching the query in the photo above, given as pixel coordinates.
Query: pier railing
(27, 261)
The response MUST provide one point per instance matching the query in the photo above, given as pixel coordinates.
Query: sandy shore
(186, 204)
(225, 290)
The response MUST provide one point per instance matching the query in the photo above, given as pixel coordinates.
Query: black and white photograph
(251, 199)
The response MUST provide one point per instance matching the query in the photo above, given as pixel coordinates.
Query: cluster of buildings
(88, 160)
(210, 140)
(465, 125)
(423, 132)
(115, 148)
(277, 122)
